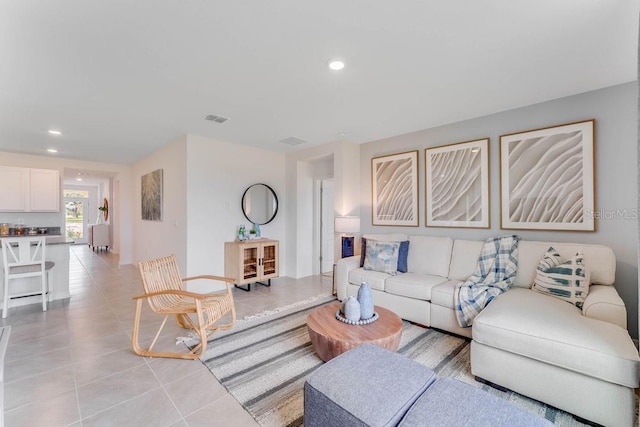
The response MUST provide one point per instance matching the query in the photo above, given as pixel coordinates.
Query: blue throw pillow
(402, 255)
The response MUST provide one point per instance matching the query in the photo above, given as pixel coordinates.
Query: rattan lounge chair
(165, 293)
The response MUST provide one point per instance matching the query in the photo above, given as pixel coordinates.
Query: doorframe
(89, 201)
(318, 229)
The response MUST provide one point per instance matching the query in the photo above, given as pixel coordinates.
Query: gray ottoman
(449, 402)
(366, 386)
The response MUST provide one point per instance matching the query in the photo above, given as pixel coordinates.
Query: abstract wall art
(457, 185)
(547, 178)
(394, 188)
(152, 196)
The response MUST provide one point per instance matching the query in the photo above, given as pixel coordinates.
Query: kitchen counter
(51, 239)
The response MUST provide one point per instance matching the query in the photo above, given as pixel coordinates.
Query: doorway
(77, 208)
(327, 234)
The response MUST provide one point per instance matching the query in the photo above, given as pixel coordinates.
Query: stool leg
(49, 286)
(5, 303)
(44, 291)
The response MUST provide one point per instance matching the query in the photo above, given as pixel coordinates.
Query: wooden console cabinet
(251, 261)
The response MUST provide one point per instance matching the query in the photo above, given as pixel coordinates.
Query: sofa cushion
(430, 255)
(549, 330)
(443, 294)
(413, 285)
(600, 259)
(464, 258)
(567, 280)
(375, 279)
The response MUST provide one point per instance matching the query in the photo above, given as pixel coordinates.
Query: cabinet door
(14, 187)
(269, 260)
(45, 190)
(250, 258)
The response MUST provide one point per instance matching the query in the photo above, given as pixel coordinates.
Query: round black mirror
(259, 204)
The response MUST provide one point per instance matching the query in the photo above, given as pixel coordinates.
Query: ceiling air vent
(214, 118)
(293, 141)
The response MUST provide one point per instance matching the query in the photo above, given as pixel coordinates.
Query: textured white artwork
(547, 178)
(457, 182)
(395, 189)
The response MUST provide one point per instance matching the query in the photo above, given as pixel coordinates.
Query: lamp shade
(347, 224)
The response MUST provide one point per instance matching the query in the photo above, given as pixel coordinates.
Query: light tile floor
(73, 364)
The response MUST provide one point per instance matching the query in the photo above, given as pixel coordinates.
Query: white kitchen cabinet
(14, 187)
(44, 195)
(29, 190)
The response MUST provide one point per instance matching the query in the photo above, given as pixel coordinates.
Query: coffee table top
(322, 321)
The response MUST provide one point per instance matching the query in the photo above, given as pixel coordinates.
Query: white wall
(120, 173)
(154, 239)
(346, 173)
(218, 173)
(615, 112)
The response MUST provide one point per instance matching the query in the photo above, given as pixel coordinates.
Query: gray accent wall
(615, 111)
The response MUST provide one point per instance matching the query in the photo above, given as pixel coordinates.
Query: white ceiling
(122, 78)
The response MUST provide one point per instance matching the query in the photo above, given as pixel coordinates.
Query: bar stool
(25, 257)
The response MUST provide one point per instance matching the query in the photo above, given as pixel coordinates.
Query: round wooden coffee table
(331, 337)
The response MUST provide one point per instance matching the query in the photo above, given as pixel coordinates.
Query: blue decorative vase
(257, 228)
(352, 309)
(365, 298)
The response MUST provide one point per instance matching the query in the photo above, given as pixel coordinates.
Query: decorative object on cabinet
(98, 236)
(25, 257)
(161, 276)
(151, 196)
(346, 225)
(104, 209)
(457, 185)
(29, 190)
(547, 178)
(259, 204)
(251, 262)
(394, 189)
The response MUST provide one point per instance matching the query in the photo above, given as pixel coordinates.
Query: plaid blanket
(493, 275)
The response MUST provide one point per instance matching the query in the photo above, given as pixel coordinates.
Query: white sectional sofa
(581, 361)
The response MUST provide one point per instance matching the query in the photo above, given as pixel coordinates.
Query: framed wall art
(394, 188)
(457, 185)
(152, 196)
(547, 178)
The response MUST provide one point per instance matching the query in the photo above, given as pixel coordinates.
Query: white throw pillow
(567, 280)
(381, 256)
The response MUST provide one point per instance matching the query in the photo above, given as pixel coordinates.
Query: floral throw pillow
(381, 256)
(567, 280)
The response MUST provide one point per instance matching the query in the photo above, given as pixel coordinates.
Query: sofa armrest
(604, 303)
(343, 267)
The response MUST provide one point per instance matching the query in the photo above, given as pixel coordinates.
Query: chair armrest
(219, 278)
(175, 292)
(604, 303)
(343, 266)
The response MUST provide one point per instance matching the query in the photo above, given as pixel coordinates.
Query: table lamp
(345, 225)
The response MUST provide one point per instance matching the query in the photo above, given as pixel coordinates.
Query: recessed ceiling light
(52, 150)
(336, 64)
(78, 179)
(55, 132)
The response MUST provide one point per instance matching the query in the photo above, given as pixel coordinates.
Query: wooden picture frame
(394, 189)
(547, 178)
(151, 196)
(457, 185)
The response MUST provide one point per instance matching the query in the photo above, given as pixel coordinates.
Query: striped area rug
(265, 367)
